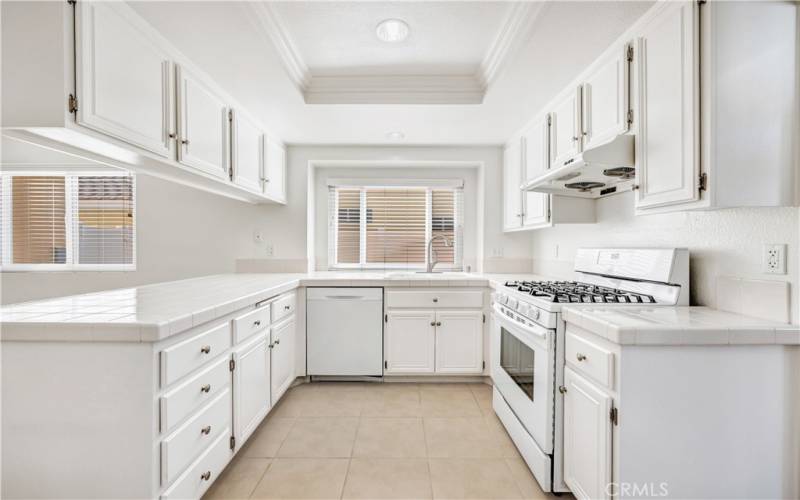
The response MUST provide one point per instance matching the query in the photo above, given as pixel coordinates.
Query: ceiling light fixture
(395, 136)
(392, 30)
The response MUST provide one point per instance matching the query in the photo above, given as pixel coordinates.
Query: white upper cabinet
(535, 206)
(204, 123)
(605, 96)
(246, 151)
(125, 80)
(512, 179)
(275, 170)
(667, 146)
(459, 342)
(565, 136)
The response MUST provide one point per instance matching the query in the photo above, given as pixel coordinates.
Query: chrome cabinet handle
(278, 341)
(172, 135)
(562, 389)
(581, 357)
(438, 323)
(271, 346)
(436, 299)
(206, 388)
(257, 322)
(287, 307)
(205, 476)
(205, 349)
(264, 179)
(185, 142)
(575, 138)
(433, 323)
(206, 430)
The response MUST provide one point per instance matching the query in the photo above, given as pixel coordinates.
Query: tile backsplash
(763, 299)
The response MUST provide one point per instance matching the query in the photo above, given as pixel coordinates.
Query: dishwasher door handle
(344, 297)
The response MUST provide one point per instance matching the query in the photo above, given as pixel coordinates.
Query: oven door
(523, 370)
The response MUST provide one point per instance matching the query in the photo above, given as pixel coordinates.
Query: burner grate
(577, 292)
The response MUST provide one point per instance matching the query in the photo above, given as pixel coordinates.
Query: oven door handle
(533, 330)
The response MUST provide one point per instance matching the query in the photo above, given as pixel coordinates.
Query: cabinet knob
(438, 323)
(287, 307)
(264, 179)
(436, 299)
(172, 135)
(562, 389)
(277, 341)
(205, 476)
(575, 138)
(433, 323)
(581, 357)
(271, 346)
(185, 142)
(206, 430)
(205, 349)
(206, 388)
(257, 322)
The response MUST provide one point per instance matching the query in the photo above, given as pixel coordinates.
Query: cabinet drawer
(184, 445)
(590, 359)
(433, 298)
(200, 389)
(204, 471)
(192, 353)
(284, 307)
(250, 323)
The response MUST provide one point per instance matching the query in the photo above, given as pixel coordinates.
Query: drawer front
(204, 471)
(432, 298)
(250, 323)
(590, 359)
(284, 307)
(184, 445)
(187, 356)
(178, 403)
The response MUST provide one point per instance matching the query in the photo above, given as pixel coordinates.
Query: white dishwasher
(344, 331)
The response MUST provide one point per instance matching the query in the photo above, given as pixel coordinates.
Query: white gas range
(528, 339)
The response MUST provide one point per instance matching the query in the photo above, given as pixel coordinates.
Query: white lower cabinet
(419, 338)
(251, 385)
(587, 437)
(409, 342)
(459, 342)
(282, 358)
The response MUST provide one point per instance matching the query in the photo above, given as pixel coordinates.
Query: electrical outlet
(775, 259)
(258, 237)
(270, 250)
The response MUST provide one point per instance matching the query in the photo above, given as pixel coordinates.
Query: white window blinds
(381, 227)
(69, 221)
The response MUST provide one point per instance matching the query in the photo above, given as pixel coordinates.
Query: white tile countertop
(685, 325)
(154, 312)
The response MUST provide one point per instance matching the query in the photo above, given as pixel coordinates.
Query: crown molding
(274, 29)
(397, 89)
(514, 33)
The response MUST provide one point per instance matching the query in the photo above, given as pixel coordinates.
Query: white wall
(181, 233)
(498, 251)
(721, 242)
(471, 187)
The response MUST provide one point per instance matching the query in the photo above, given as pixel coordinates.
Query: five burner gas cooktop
(578, 292)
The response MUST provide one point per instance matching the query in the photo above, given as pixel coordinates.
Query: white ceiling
(228, 42)
(335, 38)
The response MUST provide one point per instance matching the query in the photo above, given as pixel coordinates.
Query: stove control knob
(512, 303)
(535, 313)
(523, 309)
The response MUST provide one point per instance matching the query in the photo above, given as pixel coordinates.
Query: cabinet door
(512, 178)
(565, 137)
(247, 152)
(587, 437)
(605, 96)
(537, 160)
(275, 170)
(667, 148)
(459, 342)
(204, 126)
(283, 339)
(125, 80)
(409, 342)
(251, 383)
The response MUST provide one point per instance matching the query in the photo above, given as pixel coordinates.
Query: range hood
(602, 170)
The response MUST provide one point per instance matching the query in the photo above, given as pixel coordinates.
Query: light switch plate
(775, 258)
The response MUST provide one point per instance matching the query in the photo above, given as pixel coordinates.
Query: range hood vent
(592, 173)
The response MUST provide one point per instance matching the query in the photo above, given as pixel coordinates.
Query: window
(67, 222)
(381, 227)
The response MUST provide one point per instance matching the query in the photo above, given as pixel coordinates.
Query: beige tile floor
(380, 441)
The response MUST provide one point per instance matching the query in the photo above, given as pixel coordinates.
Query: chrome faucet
(432, 258)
